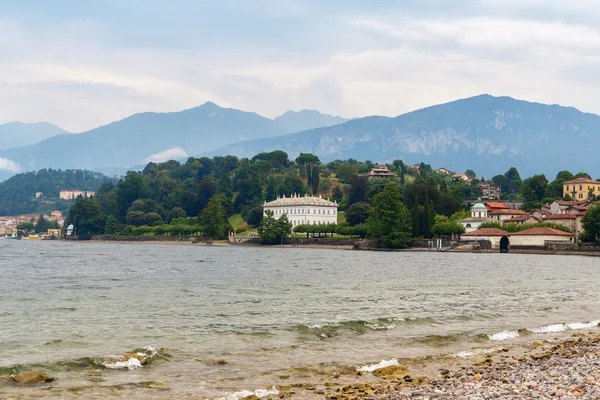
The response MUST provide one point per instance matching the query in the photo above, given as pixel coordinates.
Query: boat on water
(32, 238)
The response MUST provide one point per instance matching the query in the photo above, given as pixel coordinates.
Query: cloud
(83, 64)
(9, 165)
(173, 153)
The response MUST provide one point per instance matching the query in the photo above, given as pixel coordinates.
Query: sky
(82, 64)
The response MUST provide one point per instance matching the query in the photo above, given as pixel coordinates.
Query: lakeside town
(494, 221)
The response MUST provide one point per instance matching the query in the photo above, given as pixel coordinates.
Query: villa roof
(507, 212)
(521, 218)
(543, 231)
(300, 201)
(494, 204)
(580, 180)
(560, 216)
(487, 232)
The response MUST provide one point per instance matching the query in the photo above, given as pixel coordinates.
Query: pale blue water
(270, 309)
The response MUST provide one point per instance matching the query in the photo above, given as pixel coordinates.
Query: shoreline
(558, 367)
(342, 247)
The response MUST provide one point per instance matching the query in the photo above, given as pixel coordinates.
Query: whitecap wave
(130, 364)
(260, 393)
(554, 328)
(382, 364)
(504, 335)
(583, 325)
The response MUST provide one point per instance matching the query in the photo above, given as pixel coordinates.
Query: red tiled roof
(521, 218)
(560, 216)
(543, 231)
(493, 204)
(581, 180)
(508, 212)
(487, 232)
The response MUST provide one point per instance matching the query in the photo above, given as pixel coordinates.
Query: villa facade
(304, 210)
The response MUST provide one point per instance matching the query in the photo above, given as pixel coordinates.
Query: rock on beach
(32, 377)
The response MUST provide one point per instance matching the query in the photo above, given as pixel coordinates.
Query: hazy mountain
(145, 137)
(18, 134)
(296, 121)
(485, 133)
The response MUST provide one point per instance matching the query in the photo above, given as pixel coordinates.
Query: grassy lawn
(236, 220)
(341, 217)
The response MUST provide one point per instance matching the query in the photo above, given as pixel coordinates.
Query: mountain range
(146, 137)
(18, 134)
(485, 133)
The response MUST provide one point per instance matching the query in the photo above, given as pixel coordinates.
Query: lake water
(270, 314)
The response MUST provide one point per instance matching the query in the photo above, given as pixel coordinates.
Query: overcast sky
(81, 64)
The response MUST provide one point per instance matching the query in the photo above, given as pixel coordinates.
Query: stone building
(304, 210)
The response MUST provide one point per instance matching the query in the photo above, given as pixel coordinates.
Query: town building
(534, 237)
(479, 215)
(581, 189)
(39, 195)
(461, 177)
(53, 233)
(522, 220)
(381, 172)
(56, 215)
(304, 210)
(502, 215)
(444, 171)
(73, 194)
(537, 237)
(489, 191)
(494, 235)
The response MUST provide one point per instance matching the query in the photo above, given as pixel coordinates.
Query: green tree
(213, 218)
(112, 225)
(136, 218)
(345, 172)
(87, 218)
(153, 218)
(42, 225)
(25, 228)
(514, 180)
(176, 212)
(591, 223)
(272, 230)
(255, 215)
(534, 188)
(470, 173)
(357, 213)
(389, 220)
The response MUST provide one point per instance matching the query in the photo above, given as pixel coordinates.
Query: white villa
(479, 215)
(304, 210)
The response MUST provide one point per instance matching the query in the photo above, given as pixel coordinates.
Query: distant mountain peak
(296, 121)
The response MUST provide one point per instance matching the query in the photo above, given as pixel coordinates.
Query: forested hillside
(17, 194)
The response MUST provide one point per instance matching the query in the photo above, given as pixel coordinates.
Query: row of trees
(208, 191)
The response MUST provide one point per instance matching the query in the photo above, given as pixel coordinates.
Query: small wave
(131, 360)
(382, 364)
(130, 364)
(260, 393)
(467, 354)
(554, 328)
(583, 325)
(326, 329)
(504, 335)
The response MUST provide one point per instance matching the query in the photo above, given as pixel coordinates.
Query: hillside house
(381, 172)
(581, 188)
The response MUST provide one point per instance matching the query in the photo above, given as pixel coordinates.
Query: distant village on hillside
(9, 225)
